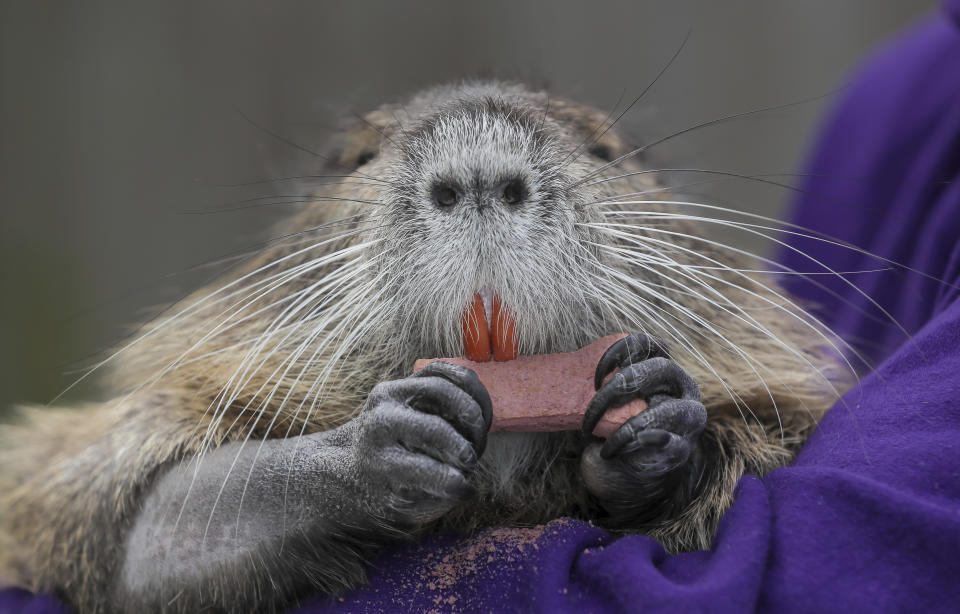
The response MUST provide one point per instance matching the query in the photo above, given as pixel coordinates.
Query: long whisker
(802, 231)
(288, 199)
(728, 306)
(750, 228)
(290, 361)
(614, 298)
(607, 126)
(281, 279)
(756, 178)
(282, 240)
(631, 282)
(223, 292)
(299, 178)
(705, 124)
(849, 348)
(683, 268)
(796, 308)
(329, 287)
(342, 348)
(298, 146)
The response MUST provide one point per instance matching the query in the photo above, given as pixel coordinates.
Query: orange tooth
(503, 332)
(476, 336)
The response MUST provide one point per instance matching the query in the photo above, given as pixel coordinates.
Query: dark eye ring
(365, 157)
(601, 151)
(514, 192)
(445, 196)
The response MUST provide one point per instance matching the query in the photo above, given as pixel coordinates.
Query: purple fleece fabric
(884, 179)
(868, 517)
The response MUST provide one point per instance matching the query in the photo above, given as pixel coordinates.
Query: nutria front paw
(421, 437)
(649, 466)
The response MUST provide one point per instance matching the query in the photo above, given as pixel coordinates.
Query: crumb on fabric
(444, 577)
(441, 574)
(473, 552)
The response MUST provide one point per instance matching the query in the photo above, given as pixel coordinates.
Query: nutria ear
(356, 144)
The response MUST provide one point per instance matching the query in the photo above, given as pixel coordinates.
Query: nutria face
(483, 198)
(487, 193)
(491, 190)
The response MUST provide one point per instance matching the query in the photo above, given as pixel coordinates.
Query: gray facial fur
(476, 145)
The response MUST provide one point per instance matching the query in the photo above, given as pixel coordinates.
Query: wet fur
(73, 479)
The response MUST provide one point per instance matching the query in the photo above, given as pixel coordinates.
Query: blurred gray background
(119, 117)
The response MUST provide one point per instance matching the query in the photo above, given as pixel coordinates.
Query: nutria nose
(511, 193)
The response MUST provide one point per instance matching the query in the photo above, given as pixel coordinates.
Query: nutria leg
(251, 526)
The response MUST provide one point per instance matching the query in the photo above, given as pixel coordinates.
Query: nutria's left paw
(646, 459)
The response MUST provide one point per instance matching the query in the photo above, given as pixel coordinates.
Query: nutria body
(267, 438)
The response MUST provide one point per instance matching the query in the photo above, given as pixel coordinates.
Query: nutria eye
(514, 192)
(445, 196)
(365, 157)
(601, 151)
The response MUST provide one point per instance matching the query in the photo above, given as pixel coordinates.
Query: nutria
(266, 437)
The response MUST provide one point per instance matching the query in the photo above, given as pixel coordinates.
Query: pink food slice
(547, 392)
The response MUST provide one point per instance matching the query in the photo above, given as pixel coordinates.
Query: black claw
(631, 349)
(628, 440)
(642, 380)
(605, 398)
(670, 430)
(466, 379)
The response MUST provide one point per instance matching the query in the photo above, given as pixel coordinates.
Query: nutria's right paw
(420, 438)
